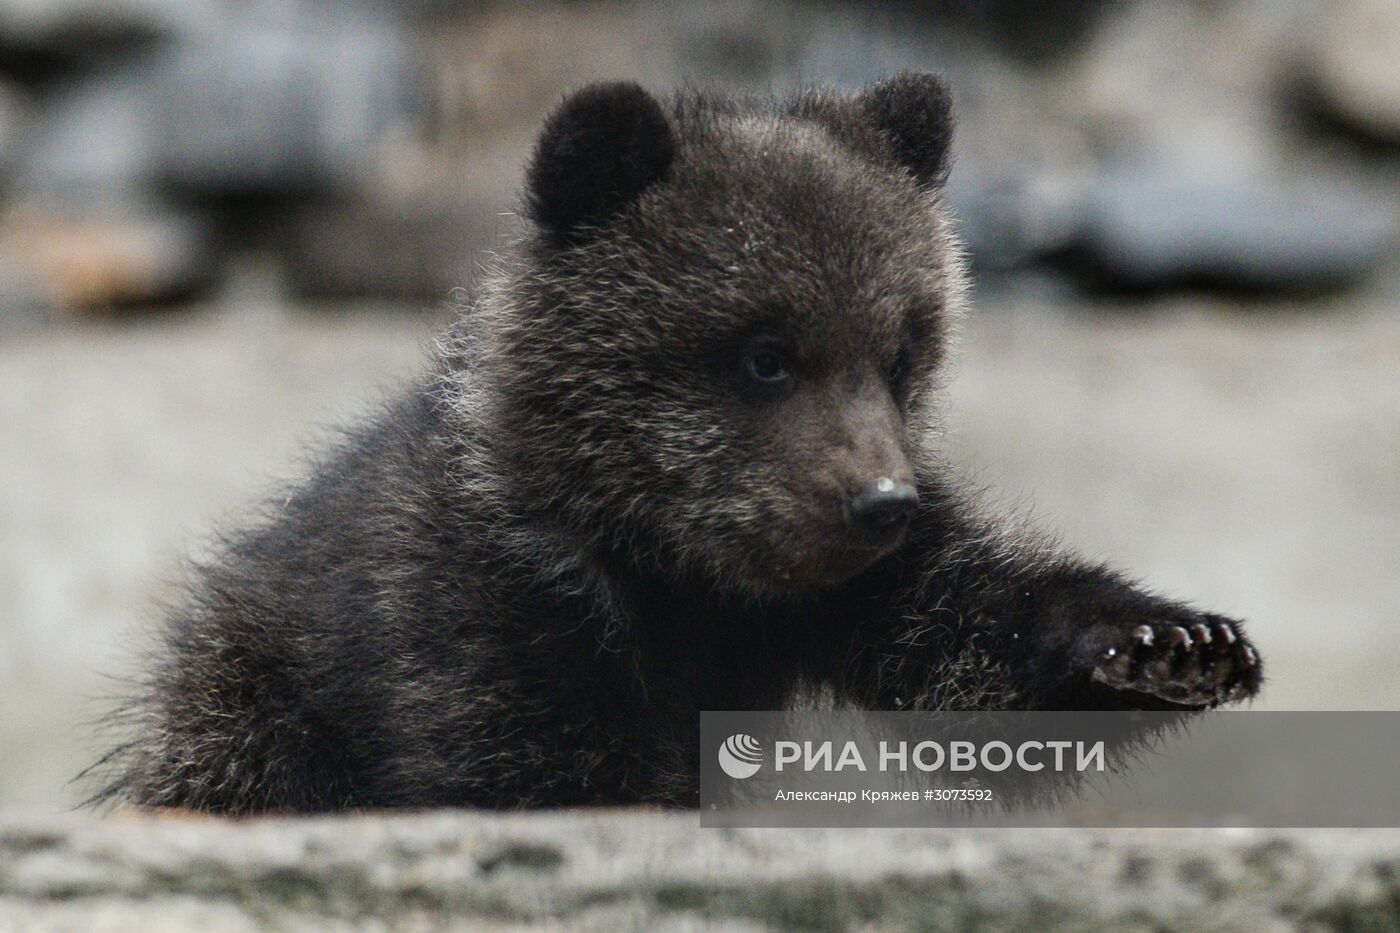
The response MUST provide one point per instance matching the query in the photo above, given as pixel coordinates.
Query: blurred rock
(90, 138)
(82, 222)
(1196, 181)
(1167, 72)
(1010, 220)
(38, 36)
(15, 123)
(368, 249)
(1036, 32)
(1356, 64)
(1020, 174)
(126, 166)
(282, 110)
(1150, 223)
(268, 101)
(137, 254)
(280, 99)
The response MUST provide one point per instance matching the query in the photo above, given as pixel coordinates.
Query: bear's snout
(880, 511)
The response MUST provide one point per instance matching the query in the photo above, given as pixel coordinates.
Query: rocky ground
(652, 871)
(145, 145)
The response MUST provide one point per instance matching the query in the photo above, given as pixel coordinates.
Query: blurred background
(228, 225)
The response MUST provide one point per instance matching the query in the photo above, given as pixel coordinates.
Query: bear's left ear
(599, 151)
(914, 111)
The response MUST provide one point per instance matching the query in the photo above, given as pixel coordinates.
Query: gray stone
(90, 140)
(648, 870)
(1200, 182)
(1356, 64)
(264, 100)
(82, 221)
(54, 32)
(15, 121)
(106, 255)
(407, 249)
(280, 99)
(1014, 210)
(1149, 223)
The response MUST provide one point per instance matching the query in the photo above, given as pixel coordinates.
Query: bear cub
(681, 453)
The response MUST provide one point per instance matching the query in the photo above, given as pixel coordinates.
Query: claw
(1202, 632)
(1143, 634)
(1225, 632)
(1251, 657)
(1179, 637)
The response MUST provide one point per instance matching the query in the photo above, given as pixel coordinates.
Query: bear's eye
(766, 363)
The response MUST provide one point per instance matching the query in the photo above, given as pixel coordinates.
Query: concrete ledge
(642, 870)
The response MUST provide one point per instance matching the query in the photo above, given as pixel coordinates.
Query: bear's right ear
(599, 151)
(914, 112)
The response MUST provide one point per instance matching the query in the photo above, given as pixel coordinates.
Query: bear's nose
(882, 509)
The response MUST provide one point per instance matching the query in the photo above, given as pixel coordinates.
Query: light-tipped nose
(882, 509)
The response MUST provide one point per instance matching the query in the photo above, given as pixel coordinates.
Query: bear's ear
(600, 150)
(914, 111)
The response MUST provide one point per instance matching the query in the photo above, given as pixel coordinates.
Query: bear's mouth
(835, 565)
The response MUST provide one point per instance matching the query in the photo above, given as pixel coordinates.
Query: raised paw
(1197, 660)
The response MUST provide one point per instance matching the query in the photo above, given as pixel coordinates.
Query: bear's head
(717, 354)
